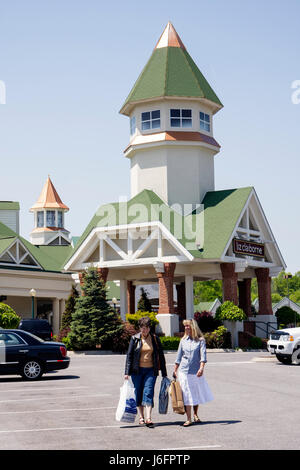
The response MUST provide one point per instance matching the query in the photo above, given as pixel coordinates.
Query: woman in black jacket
(144, 359)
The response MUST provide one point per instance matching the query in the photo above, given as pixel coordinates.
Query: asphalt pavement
(255, 407)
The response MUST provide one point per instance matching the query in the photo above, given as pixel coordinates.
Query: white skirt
(195, 390)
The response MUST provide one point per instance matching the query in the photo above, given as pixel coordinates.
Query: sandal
(187, 423)
(141, 421)
(149, 423)
(197, 419)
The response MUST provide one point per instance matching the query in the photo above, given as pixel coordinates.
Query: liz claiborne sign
(243, 247)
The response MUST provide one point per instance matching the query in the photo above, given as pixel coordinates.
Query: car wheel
(32, 370)
(296, 356)
(284, 359)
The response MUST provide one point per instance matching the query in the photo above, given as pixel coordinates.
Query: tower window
(40, 219)
(151, 120)
(181, 117)
(60, 219)
(205, 122)
(50, 218)
(132, 125)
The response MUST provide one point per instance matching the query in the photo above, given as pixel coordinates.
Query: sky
(68, 66)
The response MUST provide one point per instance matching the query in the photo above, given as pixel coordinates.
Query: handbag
(177, 399)
(164, 396)
(126, 410)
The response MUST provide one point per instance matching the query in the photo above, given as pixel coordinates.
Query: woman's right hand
(126, 377)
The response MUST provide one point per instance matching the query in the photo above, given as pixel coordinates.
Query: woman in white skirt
(191, 359)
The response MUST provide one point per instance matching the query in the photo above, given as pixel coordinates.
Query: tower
(49, 213)
(171, 109)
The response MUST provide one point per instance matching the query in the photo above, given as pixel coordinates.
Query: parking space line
(56, 411)
(11, 431)
(61, 397)
(41, 389)
(196, 447)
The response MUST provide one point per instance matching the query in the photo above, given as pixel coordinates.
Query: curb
(111, 353)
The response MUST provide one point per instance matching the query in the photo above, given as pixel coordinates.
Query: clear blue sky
(68, 66)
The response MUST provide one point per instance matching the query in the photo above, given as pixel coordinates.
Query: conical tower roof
(170, 72)
(49, 198)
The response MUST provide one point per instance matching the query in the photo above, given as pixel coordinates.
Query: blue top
(189, 355)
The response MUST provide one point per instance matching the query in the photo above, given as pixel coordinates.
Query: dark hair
(144, 321)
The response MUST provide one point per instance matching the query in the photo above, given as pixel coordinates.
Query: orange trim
(49, 229)
(178, 136)
(49, 198)
(169, 38)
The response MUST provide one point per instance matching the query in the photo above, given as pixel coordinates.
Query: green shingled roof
(50, 258)
(9, 206)
(171, 72)
(222, 210)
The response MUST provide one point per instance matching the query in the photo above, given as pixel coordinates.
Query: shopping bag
(176, 395)
(164, 396)
(126, 410)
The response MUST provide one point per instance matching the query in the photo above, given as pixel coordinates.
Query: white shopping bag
(126, 411)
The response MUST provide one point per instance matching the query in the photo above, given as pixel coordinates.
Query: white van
(286, 345)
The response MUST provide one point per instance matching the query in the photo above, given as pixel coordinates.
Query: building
(32, 276)
(177, 227)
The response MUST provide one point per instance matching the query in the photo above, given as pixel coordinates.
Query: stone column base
(168, 323)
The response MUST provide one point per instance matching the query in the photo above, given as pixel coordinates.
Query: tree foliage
(144, 304)
(94, 322)
(8, 317)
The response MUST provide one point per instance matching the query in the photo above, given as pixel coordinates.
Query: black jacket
(133, 356)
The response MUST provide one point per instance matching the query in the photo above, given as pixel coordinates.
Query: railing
(267, 327)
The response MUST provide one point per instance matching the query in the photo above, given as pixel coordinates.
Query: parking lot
(255, 406)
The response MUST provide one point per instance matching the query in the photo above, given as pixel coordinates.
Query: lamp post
(114, 301)
(33, 294)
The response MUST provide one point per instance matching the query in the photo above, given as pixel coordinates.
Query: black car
(37, 327)
(23, 353)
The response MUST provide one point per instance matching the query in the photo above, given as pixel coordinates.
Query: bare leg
(196, 418)
(188, 410)
(141, 413)
(148, 411)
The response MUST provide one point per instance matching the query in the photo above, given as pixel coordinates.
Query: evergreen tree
(144, 304)
(69, 308)
(94, 322)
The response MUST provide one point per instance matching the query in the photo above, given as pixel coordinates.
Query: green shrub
(133, 319)
(220, 338)
(229, 311)
(255, 343)
(170, 343)
(286, 315)
(8, 317)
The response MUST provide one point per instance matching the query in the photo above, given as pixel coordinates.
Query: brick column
(264, 291)
(165, 283)
(130, 297)
(229, 281)
(245, 296)
(103, 273)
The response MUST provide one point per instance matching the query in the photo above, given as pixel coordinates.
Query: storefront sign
(243, 247)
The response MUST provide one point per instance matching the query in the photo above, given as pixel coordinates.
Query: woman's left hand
(200, 372)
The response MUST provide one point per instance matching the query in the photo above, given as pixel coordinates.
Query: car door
(13, 349)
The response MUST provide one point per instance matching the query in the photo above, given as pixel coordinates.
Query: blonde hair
(196, 332)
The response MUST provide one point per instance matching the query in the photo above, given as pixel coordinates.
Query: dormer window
(205, 122)
(181, 117)
(132, 125)
(150, 120)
